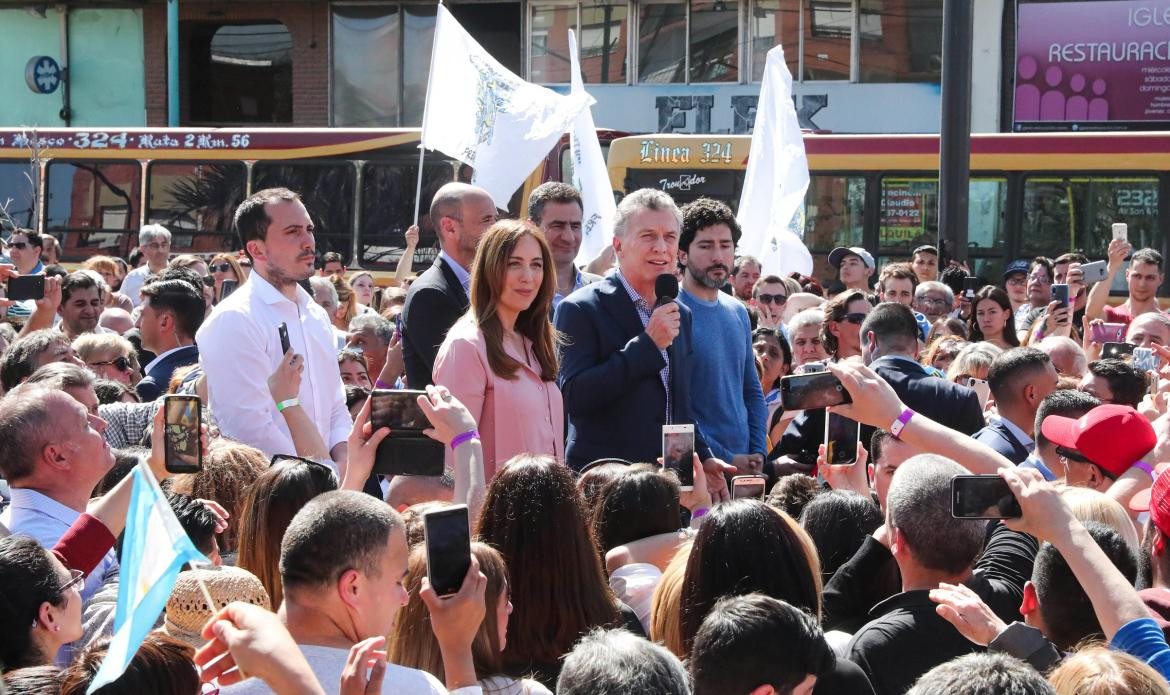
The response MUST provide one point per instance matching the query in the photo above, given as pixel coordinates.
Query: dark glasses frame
(122, 364)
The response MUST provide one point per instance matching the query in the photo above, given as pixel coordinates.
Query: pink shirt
(515, 416)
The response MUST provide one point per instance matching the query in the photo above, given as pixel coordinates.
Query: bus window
(327, 191)
(834, 212)
(92, 207)
(685, 185)
(16, 194)
(388, 190)
(196, 201)
(1075, 212)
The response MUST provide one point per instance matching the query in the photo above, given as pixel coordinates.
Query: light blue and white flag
(480, 113)
(771, 206)
(154, 550)
(590, 175)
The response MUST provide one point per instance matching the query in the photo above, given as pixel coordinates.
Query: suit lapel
(619, 306)
(453, 283)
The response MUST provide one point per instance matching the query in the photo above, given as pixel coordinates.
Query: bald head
(1066, 355)
(461, 213)
(1151, 328)
(116, 320)
(448, 200)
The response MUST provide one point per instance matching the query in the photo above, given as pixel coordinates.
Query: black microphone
(665, 289)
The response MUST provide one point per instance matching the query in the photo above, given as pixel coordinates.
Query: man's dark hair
(982, 674)
(331, 257)
(1065, 403)
(1070, 257)
(1146, 256)
(195, 518)
(877, 444)
(609, 662)
(893, 326)
(1064, 606)
(741, 260)
(179, 273)
(1127, 382)
(335, 532)
(110, 391)
(753, 640)
(181, 299)
(839, 521)
(34, 237)
(702, 213)
(251, 221)
(135, 256)
(551, 192)
(1044, 261)
(1011, 370)
(925, 248)
(56, 270)
(952, 276)
(77, 281)
(19, 361)
(791, 493)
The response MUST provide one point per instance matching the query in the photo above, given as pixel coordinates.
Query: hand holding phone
(1107, 332)
(678, 453)
(285, 345)
(841, 435)
(25, 287)
(448, 547)
(811, 391)
(182, 434)
(983, 497)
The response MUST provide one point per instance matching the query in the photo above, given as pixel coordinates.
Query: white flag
(590, 175)
(771, 206)
(481, 114)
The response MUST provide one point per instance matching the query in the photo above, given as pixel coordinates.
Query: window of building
(92, 207)
(834, 209)
(901, 41)
(773, 22)
(602, 37)
(388, 191)
(1075, 213)
(237, 73)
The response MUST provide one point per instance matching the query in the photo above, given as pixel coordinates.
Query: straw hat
(187, 610)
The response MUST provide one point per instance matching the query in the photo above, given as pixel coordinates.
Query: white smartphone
(1094, 272)
(982, 388)
(678, 452)
(1121, 231)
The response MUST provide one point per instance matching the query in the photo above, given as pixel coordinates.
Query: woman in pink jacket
(500, 360)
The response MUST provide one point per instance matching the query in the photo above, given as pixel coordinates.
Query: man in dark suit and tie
(172, 312)
(460, 214)
(1019, 379)
(625, 367)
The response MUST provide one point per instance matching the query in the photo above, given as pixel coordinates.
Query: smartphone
(182, 448)
(1121, 231)
(810, 368)
(1060, 295)
(678, 453)
(408, 450)
(1146, 359)
(809, 391)
(448, 542)
(1117, 351)
(749, 486)
(398, 410)
(970, 287)
(25, 287)
(226, 288)
(982, 388)
(285, 345)
(983, 497)
(1096, 271)
(841, 435)
(1107, 332)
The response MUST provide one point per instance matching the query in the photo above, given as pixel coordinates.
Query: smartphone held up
(182, 434)
(678, 453)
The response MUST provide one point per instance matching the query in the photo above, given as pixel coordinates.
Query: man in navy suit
(1020, 379)
(172, 312)
(625, 367)
(460, 213)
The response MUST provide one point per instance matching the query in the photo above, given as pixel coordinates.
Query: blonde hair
(1098, 670)
(976, 356)
(230, 468)
(93, 345)
(1091, 505)
(665, 611)
(101, 264)
(346, 300)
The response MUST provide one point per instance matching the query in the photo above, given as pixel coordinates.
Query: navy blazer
(997, 436)
(434, 303)
(609, 377)
(155, 383)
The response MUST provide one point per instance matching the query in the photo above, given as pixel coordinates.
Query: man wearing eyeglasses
(1100, 446)
(154, 240)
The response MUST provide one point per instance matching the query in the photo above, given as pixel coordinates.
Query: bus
(1030, 194)
(94, 189)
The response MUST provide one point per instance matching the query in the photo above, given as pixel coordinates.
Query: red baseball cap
(1112, 436)
(1156, 499)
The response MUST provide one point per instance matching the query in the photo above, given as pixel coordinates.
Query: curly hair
(703, 213)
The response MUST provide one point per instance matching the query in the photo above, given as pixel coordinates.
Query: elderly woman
(109, 356)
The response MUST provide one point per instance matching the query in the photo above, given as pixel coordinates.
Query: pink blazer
(521, 415)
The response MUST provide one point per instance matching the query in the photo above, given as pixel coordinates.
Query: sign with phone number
(151, 140)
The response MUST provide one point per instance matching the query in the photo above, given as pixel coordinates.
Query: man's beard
(705, 279)
(278, 278)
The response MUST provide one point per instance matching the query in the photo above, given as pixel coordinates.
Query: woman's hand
(850, 477)
(363, 449)
(448, 417)
(285, 382)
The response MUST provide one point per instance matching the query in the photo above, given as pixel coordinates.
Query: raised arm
(406, 260)
(284, 385)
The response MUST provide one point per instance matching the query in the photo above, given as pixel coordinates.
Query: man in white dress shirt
(239, 344)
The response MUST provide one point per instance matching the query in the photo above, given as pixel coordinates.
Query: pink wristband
(1145, 467)
(382, 385)
(465, 437)
(700, 512)
(900, 424)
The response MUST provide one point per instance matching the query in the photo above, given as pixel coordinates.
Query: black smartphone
(448, 542)
(182, 447)
(226, 288)
(285, 345)
(408, 450)
(810, 391)
(1060, 295)
(398, 410)
(970, 287)
(748, 486)
(983, 497)
(1117, 351)
(841, 435)
(678, 453)
(25, 287)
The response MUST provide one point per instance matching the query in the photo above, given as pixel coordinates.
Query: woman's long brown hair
(488, 273)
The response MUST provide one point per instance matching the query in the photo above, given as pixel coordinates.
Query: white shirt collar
(460, 271)
(268, 293)
(163, 356)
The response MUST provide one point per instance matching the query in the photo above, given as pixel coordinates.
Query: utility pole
(954, 173)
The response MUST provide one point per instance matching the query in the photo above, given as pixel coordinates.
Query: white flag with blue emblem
(480, 113)
(771, 206)
(590, 175)
(154, 549)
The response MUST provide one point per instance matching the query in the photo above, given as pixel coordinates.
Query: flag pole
(422, 150)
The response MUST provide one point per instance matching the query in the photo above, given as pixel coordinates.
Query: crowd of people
(594, 568)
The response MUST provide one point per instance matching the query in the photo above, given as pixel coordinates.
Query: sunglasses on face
(770, 298)
(122, 364)
(857, 319)
(221, 268)
(76, 577)
(1072, 454)
(19, 245)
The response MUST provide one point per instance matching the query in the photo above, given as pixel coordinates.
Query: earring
(56, 628)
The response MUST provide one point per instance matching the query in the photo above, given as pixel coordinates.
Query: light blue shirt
(460, 272)
(1021, 436)
(577, 284)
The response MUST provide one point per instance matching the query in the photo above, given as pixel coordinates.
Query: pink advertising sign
(1099, 65)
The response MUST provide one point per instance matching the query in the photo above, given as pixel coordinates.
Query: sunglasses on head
(770, 298)
(221, 268)
(854, 318)
(122, 364)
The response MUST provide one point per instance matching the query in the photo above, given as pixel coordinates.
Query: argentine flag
(154, 550)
